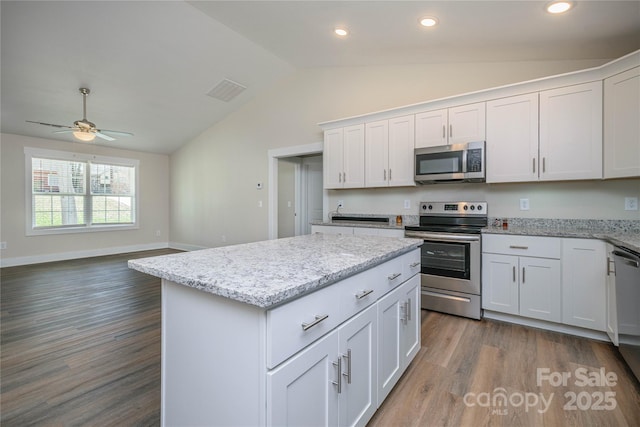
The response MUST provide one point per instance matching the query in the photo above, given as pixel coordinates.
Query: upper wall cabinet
(344, 157)
(622, 125)
(512, 139)
(571, 132)
(465, 123)
(389, 152)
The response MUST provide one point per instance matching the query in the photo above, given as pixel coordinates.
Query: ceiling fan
(83, 129)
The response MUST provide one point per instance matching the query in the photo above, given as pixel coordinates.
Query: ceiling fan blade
(115, 132)
(64, 131)
(49, 124)
(103, 136)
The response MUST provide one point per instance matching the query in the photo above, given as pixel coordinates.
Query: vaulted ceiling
(150, 64)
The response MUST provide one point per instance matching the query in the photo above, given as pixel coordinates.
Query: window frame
(88, 159)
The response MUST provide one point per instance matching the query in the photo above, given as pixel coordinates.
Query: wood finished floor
(80, 346)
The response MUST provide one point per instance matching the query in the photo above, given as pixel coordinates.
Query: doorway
(296, 194)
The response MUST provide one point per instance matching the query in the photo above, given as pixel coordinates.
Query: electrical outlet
(630, 203)
(259, 203)
(407, 204)
(341, 204)
(158, 233)
(3, 245)
(524, 204)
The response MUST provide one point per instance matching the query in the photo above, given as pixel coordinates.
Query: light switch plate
(407, 204)
(524, 204)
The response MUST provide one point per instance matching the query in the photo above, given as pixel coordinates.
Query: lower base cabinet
(330, 383)
(342, 378)
(399, 334)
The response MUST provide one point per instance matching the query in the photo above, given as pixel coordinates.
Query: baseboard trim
(186, 246)
(63, 256)
(549, 326)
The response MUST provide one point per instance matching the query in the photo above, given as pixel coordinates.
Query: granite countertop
(628, 238)
(390, 226)
(274, 271)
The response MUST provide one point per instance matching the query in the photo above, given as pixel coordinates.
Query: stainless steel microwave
(451, 163)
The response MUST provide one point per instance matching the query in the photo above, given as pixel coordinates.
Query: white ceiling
(149, 64)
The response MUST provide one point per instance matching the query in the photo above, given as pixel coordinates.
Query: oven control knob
(467, 207)
(430, 207)
(472, 207)
(479, 207)
(424, 207)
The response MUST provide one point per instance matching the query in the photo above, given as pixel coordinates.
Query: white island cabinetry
(286, 334)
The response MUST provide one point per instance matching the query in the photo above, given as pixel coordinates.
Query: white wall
(214, 200)
(21, 249)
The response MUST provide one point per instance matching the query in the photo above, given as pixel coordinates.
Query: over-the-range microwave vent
(226, 90)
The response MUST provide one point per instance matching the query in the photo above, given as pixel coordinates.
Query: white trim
(63, 256)
(186, 246)
(273, 156)
(549, 326)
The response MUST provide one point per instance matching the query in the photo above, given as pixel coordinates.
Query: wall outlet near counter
(340, 204)
(630, 203)
(524, 204)
(407, 204)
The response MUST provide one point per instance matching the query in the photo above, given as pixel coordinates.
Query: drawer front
(319, 312)
(534, 246)
(411, 264)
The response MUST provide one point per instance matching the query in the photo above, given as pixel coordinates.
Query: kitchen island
(313, 329)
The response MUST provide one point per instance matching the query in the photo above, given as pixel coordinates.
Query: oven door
(450, 261)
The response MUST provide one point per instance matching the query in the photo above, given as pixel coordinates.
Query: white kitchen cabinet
(464, 123)
(343, 157)
(398, 334)
(584, 277)
(571, 132)
(621, 124)
(305, 391)
(612, 313)
(358, 231)
(512, 139)
(302, 390)
(521, 275)
(389, 152)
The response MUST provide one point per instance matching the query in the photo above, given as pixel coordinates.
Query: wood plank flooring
(80, 346)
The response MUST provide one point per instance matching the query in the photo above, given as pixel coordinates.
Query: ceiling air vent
(226, 90)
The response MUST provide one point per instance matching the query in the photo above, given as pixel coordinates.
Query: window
(70, 192)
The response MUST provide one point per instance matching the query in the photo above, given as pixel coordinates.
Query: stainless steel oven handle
(451, 297)
(627, 259)
(442, 237)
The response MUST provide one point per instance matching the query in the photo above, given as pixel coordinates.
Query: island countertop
(270, 272)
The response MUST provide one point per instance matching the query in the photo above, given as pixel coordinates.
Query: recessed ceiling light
(559, 6)
(341, 31)
(428, 21)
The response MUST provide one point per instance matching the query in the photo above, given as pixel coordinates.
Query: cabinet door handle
(364, 293)
(514, 274)
(534, 165)
(444, 131)
(306, 326)
(523, 275)
(339, 177)
(344, 177)
(348, 373)
(610, 271)
(389, 174)
(415, 264)
(409, 309)
(338, 383)
(450, 131)
(385, 175)
(394, 276)
(518, 247)
(544, 166)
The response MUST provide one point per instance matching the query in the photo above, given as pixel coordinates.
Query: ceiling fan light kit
(83, 129)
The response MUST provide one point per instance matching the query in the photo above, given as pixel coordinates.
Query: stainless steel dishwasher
(627, 264)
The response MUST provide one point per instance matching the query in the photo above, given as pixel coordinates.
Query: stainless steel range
(451, 279)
